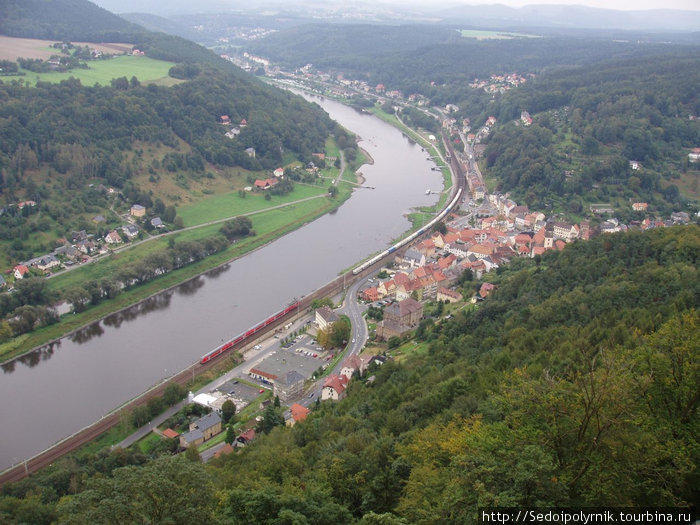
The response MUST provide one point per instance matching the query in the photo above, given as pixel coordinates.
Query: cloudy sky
(120, 6)
(626, 5)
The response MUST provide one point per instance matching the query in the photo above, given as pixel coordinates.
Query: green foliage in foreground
(575, 384)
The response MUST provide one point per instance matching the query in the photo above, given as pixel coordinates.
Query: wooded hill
(598, 103)
(576, 383)
(56, 20)
(589, 123)
(61, 141)
(436, 60)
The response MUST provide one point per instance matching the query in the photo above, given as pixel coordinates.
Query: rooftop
(280, 363)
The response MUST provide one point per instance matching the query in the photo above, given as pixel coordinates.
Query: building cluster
(499, 83)
(82, 245)
(335, 385)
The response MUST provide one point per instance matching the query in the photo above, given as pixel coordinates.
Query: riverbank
(72, 324)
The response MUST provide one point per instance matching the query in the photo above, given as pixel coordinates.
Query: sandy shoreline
(361, 178)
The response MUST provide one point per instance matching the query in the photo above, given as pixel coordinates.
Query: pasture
(147, 70)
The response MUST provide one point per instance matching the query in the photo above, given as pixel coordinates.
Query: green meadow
(229, 204)
(147, 70)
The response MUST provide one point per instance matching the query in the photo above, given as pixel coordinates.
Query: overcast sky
(626, 5)
(119, 6)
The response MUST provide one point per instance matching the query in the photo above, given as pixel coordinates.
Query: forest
(597, 104)
(80, 153)
(434, 61)
(590, 122)
(576, 383)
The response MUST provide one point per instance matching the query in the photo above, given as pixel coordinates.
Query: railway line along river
(55, 391)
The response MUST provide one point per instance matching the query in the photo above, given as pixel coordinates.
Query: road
(88, 433)
(350, 307)
(175, 232)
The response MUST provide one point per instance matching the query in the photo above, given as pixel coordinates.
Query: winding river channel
(55, 391)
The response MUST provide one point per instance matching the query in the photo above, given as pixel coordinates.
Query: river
(55, 391)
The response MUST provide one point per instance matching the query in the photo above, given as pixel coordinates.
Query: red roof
(371, 294)
(419, 272)
(446, 262)
(522, 238)
(485, 289)
(265, 183)
(248, 435)
(170, 433)
(299, 412)
(336, 382)
(401, 278)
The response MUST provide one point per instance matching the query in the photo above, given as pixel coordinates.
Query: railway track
(86, 435)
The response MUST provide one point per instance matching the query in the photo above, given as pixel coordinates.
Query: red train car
(214, 353)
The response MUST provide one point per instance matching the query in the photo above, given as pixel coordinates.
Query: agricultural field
(225, 205)
(12, 48)
(102, 71)
(147, 70)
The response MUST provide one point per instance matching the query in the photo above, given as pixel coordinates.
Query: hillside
(64, 19)
(75, 158)
(574, 384)
(589, 123)
(138, 139)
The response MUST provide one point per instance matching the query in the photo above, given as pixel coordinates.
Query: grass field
(228, 204)
(147, 70)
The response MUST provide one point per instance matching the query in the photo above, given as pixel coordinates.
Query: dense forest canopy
(574, 384)
(61, 141)
(111, 118)
(590, 122)
(423, 59)
(51, 20)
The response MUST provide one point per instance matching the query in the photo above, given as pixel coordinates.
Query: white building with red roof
(334, 387)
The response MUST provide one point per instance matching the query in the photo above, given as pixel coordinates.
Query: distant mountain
(493, 16)
(170, 26)
(573, 16)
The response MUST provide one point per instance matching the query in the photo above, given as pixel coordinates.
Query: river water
(58, 390)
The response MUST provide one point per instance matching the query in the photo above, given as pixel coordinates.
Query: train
(411, 237)
(245, 335)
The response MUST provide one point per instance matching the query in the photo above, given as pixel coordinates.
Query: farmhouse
(265, 184)
(113, 238)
